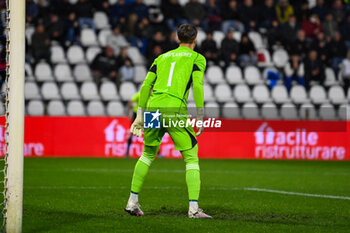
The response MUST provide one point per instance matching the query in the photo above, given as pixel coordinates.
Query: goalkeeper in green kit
(170, 77)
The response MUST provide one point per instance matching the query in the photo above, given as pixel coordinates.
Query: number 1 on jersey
(171, 73)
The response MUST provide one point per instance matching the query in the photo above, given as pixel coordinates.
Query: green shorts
(183, 137)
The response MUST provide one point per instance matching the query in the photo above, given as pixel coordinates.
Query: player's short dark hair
(187, 33)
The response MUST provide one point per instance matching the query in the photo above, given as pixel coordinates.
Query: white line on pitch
(96, 170)
(208, 188)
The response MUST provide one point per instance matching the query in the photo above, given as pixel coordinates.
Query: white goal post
(15, 115)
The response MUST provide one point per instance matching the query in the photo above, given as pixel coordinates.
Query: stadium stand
(63, 81)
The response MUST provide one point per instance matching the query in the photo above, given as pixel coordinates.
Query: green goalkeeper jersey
(171, 76)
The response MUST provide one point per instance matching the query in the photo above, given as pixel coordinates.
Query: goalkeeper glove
(200, 116)
(137, 126)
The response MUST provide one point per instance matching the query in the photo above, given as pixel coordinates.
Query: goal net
(12, 49)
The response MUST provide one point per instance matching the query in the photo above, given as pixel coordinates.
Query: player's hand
(137, 126)
(200, 117)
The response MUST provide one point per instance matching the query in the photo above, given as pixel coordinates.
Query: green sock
(142, 166)
(192, 173)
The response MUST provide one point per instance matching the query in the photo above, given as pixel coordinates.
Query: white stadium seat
(280, 58)
(252, 75)
(135, 55)
(75, 108)
(212, 110)
(69, 91)
(127, 90)
(2, 109)
(57, 54)
(56, 108)
(115, 108)
(269, 111)
(75, 54)
(289, 112)
(349, 93)
(35, 108)
(231, 110)
(63, 73)
(140, 74)
(215, 75)
(241, 93)
(318, 94)
(307, 112)
(200, 37)
(101, 20)
(257, 40)
(82, 73)
(31, 91)
(327, 112)
(336, 95)
(92, 52)
(88, 37)
(344, 112)
(261, 94)
(223, 93)
(208, 93)
(218, 36)
(330, 77)
(279, 94)
(109, 91)
(50, 91)
(43, 72)
(29, 33)
(95, 108)
(102, 36)
(234, 75)
(298, 94)
(89, 91)
(264, 58)
(250, 111)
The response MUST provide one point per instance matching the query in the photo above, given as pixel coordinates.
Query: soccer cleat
(197, 214)
(134, 209)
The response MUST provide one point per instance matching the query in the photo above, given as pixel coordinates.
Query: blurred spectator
(314, 69)
(174, 13)
(330, 26)
(338, 10)
(62, 8)
(32, 11)
(247, 52)
(232, 18)
(72, 28)
(105, 65)
(40, 44)
(84, 11)
(274, 36)
(213, 15)
(345, 71)
(346, 31)
(123, 56)
(294, 71)
(55, 29)
(127, 71)
(229, 49)
(320, 45)
(158, 40)
(283, 11)
(101, 5)
(119, 13)
(302, 12)
(338, 51)
(267, 14)
(289, 31)
(312, 26)
(144, 30)
(196, 13)
(209, 48)
(140, 9)
(301, 45)
(249, 15)
(171, 42)
(156, 51)
(116, 40)
(2, 65)
(320, 9)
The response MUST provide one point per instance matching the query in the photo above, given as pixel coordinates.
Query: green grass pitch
(89, 195)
